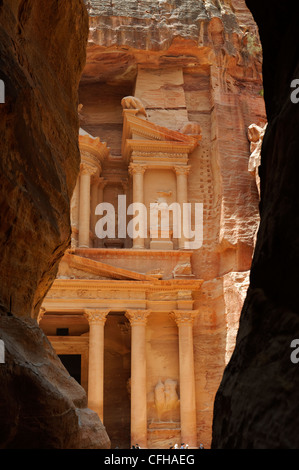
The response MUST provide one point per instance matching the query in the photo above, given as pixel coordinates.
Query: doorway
(72, 363)
(117, 373)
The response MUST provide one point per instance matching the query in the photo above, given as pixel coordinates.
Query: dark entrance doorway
(117, 373)
(72, 363)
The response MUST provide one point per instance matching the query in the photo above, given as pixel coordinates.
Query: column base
(161, 245)
(138, 247)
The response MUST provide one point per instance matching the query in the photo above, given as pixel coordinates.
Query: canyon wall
(197, 68)
(42, 53)
(256, 404)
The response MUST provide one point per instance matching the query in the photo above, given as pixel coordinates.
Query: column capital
(87, 169)
(182, 170)
(96, 316)
(183, 317)
(137, 168)
(137, 317)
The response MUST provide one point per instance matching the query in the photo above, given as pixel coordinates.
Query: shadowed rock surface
(256, 405)
(42, 54)
(41, 406)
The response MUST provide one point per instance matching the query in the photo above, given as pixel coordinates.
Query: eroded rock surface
(42, 53)
(41, 406)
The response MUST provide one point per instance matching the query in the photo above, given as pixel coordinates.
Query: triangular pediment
(140, 134)
(102, 270)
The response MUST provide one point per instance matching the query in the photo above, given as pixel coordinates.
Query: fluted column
(184, 320)
(137, 171)
(138, 320)
(84, 212)
(182, 197)
(97, 319)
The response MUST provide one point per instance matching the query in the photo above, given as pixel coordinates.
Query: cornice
(156, 285)
(179, 149)
(130, 252)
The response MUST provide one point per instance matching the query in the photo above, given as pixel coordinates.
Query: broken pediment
(81, 268)
(141, 135)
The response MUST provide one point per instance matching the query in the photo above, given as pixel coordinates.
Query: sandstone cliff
(256, 404)
(42, 53)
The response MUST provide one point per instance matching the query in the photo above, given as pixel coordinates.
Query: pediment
(140, 134)
(91, 269)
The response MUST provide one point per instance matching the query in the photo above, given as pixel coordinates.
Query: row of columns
(137, 171)
(138, 320)
(89, 193)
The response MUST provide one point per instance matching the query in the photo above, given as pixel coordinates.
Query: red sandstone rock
(42, 54)
(42, 50)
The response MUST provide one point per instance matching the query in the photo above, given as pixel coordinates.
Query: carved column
(84, 218)
(97, 319)
(138, 320)
(184, 320)
(93, 203)
(137, 171)
(101, 186)
(75, 207)
(182, 197)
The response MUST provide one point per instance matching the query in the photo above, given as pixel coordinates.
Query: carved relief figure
(166, 397)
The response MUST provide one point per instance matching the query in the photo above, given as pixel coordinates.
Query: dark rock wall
(257, 403)
(42, 54)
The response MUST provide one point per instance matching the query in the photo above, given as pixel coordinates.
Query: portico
(143, 303)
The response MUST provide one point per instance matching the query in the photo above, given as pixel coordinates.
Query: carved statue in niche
(166, 398)
(162, 228)
(162, 195)
(255, 136)
(131, 102)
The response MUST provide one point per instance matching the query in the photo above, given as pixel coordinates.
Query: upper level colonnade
(153, 168)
